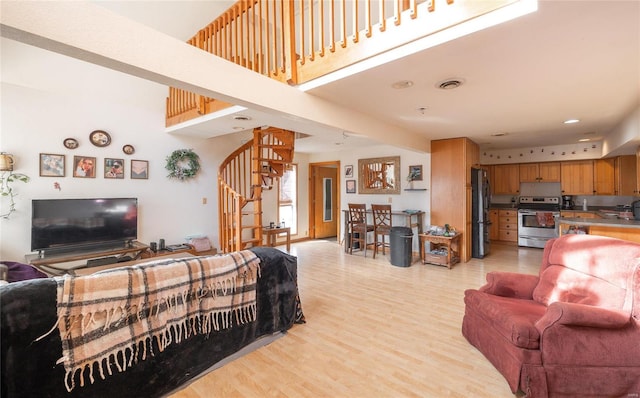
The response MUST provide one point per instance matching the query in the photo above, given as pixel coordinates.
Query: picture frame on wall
(52, 165)
(139, 169)
(351, 186)
(84, 167)
(415, 172)
(113, 168)
(348, 171)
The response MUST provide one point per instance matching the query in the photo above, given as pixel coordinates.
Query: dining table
(413, 219)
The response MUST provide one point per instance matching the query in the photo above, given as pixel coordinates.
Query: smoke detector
(450, 84)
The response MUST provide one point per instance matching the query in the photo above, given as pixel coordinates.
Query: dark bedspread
(29, 369)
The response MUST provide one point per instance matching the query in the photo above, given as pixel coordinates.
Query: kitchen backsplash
(554, 189)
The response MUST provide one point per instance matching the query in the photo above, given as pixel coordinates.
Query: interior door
(325, 209)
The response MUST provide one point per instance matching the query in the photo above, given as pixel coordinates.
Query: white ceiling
(570, 59)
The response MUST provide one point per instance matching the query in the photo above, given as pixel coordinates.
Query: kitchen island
(613, 227)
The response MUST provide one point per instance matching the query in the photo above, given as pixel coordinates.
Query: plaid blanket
(111, 318)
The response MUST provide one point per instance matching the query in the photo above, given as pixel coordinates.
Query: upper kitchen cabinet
(626, 175)
(638, 170)
(604, 176)
(577, 177)
(540, 172)
(506, 179)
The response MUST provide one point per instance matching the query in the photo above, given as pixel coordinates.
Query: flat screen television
(63, 225)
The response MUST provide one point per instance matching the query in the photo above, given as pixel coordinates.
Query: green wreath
(183, 164)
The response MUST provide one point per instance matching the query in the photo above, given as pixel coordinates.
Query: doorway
(324, 200)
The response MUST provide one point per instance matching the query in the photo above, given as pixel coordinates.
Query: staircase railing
(242, 176)
(295, 41)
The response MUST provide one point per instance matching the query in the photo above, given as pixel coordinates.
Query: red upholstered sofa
(571, 331)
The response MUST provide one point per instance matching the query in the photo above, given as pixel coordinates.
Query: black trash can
(401, 239)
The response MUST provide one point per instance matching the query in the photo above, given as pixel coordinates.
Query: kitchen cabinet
(540, 172)
(451, 162)
(506, 179)
(626, 175)
(638, 171)
(604, 177)
(578, 214)
(508, 225)
(491, 173)
(577, 177)
(494, 231)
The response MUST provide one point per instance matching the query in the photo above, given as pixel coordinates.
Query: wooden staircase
(242, 177)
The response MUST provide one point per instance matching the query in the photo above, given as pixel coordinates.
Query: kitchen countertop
(603, 222)
(508, 206)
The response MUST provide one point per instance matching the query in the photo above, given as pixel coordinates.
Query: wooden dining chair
(358, 227)
(381, 227)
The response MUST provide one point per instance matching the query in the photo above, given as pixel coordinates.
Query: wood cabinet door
(577, 177)
(626, 175)
(529, 172)
(494, 228)
(604, 177)
(507, 179)
(549, 172)
(638, 171)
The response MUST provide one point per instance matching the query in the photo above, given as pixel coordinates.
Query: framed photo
(415, 173)
(348, 171)
(113, 168)
(84, 167)
(51, 165)
(139, 169)
(351, 186)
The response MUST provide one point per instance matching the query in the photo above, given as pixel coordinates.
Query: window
(288, 199)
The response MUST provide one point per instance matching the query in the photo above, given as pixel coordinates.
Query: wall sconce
(6, 162)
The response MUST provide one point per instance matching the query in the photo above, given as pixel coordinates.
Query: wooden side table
(272, 233)
(450, 243)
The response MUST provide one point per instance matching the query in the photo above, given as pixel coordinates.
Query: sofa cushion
(513, 318)
(560, 283)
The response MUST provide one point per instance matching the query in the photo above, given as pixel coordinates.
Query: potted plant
(6, 178)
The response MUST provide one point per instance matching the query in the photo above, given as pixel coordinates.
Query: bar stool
(381, 227)
(358, 226)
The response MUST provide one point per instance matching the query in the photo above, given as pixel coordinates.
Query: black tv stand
(131, 250)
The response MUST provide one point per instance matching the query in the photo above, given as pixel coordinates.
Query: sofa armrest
(510, 284)
(572, 314)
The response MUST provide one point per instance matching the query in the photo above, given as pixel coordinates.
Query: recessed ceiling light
(241, 117)
(571, 121)
(402, 84)
(584, 139)
(450, 84)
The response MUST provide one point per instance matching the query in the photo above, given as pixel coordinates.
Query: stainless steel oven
(537, 220)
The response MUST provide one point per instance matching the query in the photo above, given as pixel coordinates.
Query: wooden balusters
(267, 37)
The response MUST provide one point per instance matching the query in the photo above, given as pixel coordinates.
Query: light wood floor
(373, 330)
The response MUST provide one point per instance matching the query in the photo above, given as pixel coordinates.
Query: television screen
(61, 224)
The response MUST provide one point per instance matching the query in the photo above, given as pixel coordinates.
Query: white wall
(418, 200)
(35, 122)
(45, 102)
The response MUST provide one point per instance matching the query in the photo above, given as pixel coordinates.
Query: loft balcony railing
(295, 41)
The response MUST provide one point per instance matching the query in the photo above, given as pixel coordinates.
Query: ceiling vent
(450, 84)
(241, 117)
